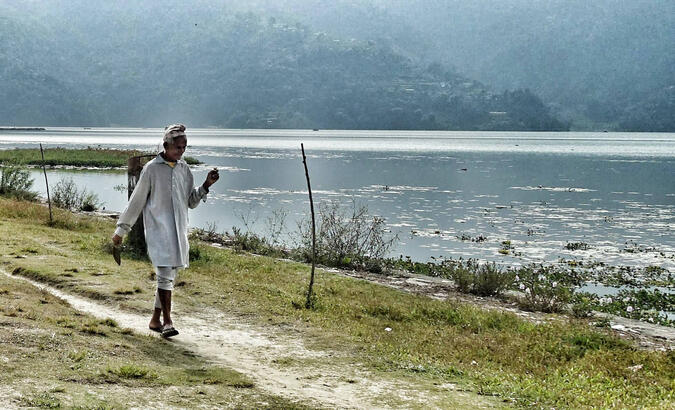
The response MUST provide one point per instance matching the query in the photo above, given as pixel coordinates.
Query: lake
(437, 191)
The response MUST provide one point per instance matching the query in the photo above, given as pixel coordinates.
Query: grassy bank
(557, 362)
(87, 157)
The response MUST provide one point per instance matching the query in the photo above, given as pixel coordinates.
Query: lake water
(612, 191)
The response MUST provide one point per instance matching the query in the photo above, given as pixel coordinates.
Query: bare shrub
(276, 225)
(67, 196)
(347, 237)
(250, 241)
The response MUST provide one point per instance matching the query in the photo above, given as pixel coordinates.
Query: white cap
(173, 131)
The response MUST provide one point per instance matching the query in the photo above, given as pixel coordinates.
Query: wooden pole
(136, 238)
(49, 200)
(309, 302)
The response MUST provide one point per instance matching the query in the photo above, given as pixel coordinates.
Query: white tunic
(163, 194)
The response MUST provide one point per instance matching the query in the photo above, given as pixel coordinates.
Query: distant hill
(600, 64)
(149, 63)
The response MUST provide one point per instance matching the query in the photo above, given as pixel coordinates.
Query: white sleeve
(135, 206)
(196, 194)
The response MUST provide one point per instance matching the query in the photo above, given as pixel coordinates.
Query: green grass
(88, 157)
(560, 362)
(131, 371)
(441, 340)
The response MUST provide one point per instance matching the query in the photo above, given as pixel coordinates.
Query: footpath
(330, 382)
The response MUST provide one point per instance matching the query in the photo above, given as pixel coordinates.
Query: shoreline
(432, 285)
(22, 129)
(650, 336)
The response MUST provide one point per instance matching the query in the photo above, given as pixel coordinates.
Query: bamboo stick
(49, 200)
(309, 302)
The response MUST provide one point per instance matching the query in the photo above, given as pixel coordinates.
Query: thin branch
(49, 200)
(309, 302)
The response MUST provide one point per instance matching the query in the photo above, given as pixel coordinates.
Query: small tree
(16, 183)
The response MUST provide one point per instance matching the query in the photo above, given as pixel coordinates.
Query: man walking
(164, 192)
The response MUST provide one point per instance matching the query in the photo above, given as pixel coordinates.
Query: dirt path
(261, 353)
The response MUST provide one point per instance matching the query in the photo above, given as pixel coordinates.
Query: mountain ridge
(230, 69)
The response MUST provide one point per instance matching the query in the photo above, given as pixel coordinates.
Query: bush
(66, 195)
(349, 239)
(198, 253)
(462, 275)
(582, 305)
(545, 288)
(251, 242)
(489, 280)
(16, 183)
(482, 280)
(90, 201)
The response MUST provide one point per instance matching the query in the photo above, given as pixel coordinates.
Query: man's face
(174, 151)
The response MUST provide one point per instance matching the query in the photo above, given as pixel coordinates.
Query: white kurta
(163, 194)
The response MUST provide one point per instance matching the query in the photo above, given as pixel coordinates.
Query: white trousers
(166, 275)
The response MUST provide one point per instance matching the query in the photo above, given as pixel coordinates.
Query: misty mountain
(210, 63)
(601, 63)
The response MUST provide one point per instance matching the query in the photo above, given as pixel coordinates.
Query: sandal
(169, 331)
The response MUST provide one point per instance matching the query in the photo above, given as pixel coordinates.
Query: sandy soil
(260, 354)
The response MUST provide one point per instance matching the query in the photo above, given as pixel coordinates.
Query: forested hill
(84, 63)
(601, 64)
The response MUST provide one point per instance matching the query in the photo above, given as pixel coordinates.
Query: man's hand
(117, 240)
(211, 178)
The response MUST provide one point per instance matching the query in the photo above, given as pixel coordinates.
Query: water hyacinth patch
(469, 276)
(573, 246)
(583, 304)
(646, 305)
(546, 288)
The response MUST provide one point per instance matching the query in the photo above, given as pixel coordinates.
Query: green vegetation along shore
(555, 362)
(22, 129)
(86, 157)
